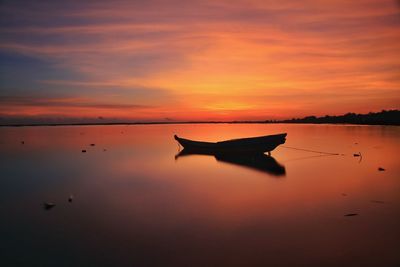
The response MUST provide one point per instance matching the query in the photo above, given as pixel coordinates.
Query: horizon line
(301, 120)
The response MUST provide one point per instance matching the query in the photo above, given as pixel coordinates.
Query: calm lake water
(135, 204)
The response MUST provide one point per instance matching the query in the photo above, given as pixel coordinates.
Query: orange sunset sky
(198, 60)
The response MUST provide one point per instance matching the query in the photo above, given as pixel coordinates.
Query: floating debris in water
(71, 197)
(351, 214)
(92, 144)
(48, 205)
(358, 155)
(378, 201)
(343, 194)
(104, 150)
(22, 142)
(356, 143)
(83, 150)
(381, 169)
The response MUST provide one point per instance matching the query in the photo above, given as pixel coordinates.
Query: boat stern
(283, 138)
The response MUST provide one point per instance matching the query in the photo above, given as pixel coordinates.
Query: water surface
(136, 204)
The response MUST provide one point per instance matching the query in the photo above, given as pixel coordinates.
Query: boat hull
(259, 144)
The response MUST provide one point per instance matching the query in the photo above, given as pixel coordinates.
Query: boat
(260, 144)
(255, 161)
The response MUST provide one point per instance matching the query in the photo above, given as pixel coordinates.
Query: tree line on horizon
(384, 117)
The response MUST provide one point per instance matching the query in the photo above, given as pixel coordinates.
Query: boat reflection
(255, 161)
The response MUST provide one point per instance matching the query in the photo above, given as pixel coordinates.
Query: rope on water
(314, 151)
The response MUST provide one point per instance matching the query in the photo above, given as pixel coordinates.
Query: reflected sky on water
(135, 204)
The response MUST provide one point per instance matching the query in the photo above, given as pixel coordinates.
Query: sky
(173, 60)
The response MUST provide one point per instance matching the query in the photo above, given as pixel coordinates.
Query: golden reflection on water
(136, 204)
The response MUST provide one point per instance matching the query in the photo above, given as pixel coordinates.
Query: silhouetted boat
(259, 144)
(255, 161)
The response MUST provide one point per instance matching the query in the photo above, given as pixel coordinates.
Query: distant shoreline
(384, 117)
(186, 122)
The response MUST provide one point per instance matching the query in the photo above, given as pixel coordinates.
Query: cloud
(63, 102)
(182, 54)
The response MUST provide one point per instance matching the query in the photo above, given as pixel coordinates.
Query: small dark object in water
(83, 150)
(378, 201)
(71, 197)
(104, 150)
(351, 214)
(48, 205)
(381, 169)
(22, 142)
(92, 144)
(356, 143)
(358, 155)
(343, 194)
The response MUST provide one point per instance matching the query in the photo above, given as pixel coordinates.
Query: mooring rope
(309, 157)
(314, 151)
